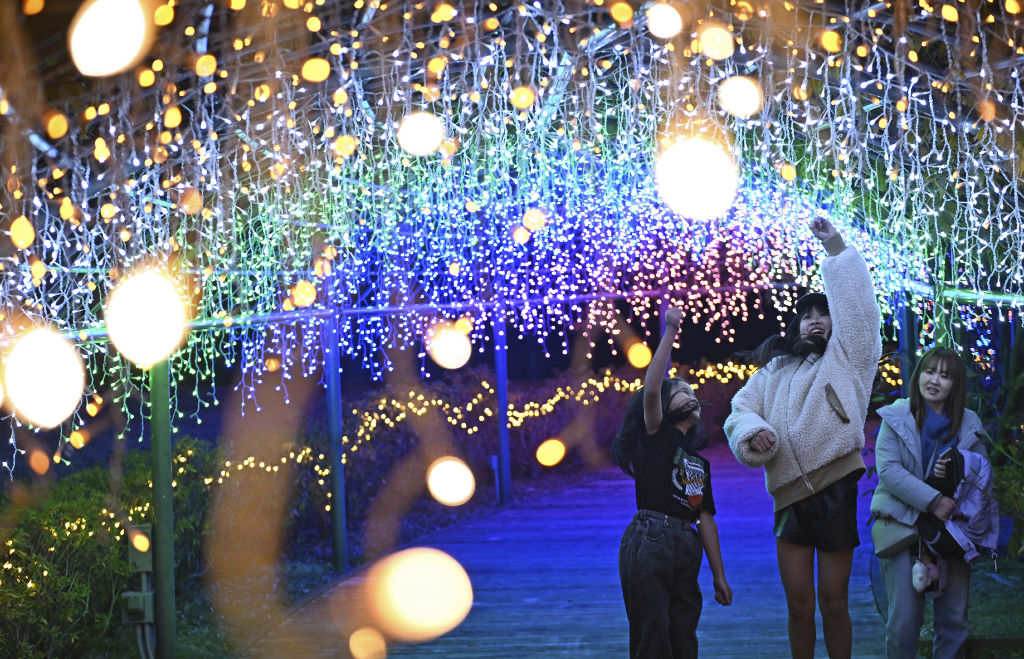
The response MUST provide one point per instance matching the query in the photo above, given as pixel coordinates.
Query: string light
(311, 166)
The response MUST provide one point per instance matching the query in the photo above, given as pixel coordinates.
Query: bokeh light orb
(367, 643)
(139, 540)
(38, 461)
(44, 378)
(520, 234)
(450, 481)
(639, 355)
(206, 65)
(79, 438)
(420, 133)
(464, 324)
(345, 146)
(56, 124)
(522, 97)
(316, 69)
(93, 50)
(418, 594)
(146, 318)
(190, 201)
(448, 346)
(550, 452)
(443, 12)
(831, 41)
(740, 96)
(664, 21)
(622, 13)
(535, 219)
(22, 232)
(697, 178)
(304, 293)
(716, 40)
(986, 109)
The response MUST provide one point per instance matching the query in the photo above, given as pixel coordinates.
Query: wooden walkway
(545, 581)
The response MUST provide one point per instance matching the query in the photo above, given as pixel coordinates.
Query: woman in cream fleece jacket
(801, 417)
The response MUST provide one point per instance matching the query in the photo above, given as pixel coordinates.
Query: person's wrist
(834, 244)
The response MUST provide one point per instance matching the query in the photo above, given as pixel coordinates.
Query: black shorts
(826, 520)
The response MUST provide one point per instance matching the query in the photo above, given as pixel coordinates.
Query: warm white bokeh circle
(638, 355)
(697, 178)
(418, 594)
(367, 643)
(109, 36)
(448, 346)
(450, 481)
(740, 96)
(550, 452)
(44, 378)
(664, 21)
(716, 40)
(420, 133)
(146, 318)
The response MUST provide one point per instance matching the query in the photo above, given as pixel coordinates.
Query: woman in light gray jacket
(915, 432)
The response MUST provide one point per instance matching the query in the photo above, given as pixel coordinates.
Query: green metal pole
(501, 375)
(163, 510)
(332, 363)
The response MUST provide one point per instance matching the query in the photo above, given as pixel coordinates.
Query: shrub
(64, 571)
(66, 562)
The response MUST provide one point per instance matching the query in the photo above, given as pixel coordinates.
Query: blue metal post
(501, 374)
(332, 364)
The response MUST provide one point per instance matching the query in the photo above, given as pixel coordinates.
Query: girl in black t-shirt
(661, 549)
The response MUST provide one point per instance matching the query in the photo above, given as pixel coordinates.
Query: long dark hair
(627, 440)
(788, 344)
(953, 407)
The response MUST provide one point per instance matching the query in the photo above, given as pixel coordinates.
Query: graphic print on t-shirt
(688, 478)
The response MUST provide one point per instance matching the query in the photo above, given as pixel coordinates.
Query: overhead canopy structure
(393, 163)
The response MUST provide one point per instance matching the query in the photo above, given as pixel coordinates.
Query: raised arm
(656, 371)
(851, 298)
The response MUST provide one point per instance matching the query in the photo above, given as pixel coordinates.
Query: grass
(994, 610)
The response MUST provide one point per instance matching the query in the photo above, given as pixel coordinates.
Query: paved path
(545, 581)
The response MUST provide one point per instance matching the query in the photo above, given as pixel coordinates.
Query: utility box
(136, 607)
(140, 561)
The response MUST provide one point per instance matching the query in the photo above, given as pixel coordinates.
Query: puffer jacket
(975, 525)
(901, 493)
(816, 406)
